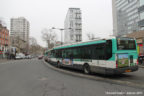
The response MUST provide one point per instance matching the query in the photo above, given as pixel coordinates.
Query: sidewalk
(4, 60)
(141, 66)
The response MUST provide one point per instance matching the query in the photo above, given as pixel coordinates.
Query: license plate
(127, 70)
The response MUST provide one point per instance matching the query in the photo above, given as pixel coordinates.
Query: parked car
(20, 56)
(28, 57)
(40, 57)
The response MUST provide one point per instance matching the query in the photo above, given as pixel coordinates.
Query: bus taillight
(116, 63)
(137, 62)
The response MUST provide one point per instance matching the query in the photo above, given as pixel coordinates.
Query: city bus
(115, 55)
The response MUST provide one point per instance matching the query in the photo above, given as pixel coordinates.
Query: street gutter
(101, 79)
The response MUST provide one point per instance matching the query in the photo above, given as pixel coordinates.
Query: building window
(142, 16)
(142, 28)
(141, 2)
(71, 11)
(71, 24)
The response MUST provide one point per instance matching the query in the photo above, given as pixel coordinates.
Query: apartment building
(125, 16)
(73, 26)
(20, 28)
(141, 14)
(20, 34)
(4, 40)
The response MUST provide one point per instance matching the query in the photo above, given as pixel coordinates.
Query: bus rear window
(126, 44)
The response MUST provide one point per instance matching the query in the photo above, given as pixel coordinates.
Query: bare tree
(91, 36)
(32, 41)
(34, 49)
(19, 43)
(49, 37)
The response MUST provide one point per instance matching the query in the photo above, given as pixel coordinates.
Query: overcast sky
(96, 15)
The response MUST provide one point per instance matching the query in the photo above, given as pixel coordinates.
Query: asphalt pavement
(34, 78)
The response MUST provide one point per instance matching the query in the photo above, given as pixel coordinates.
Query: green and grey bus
(105, 56)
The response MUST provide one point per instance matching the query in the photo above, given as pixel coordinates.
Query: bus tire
(58, 64)
(86, 69)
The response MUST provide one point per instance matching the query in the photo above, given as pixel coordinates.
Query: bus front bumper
(121, 70)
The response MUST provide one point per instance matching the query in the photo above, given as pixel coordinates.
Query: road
(34, 78)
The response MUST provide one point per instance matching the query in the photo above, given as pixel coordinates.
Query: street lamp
(61, 29)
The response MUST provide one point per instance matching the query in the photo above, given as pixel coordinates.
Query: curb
(5, 60)
(141, 66)
(96, 78)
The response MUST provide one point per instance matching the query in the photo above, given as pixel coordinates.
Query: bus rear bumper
(121, 70)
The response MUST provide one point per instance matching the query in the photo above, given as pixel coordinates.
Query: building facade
(125, 16)
(141, 14)
(4, 40)
(73, 26)
(20, 28)
(20, 33)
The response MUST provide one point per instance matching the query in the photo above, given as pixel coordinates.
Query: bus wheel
(58, 64)
(86, 69)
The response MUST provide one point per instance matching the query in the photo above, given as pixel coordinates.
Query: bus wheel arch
(58, 64)
(86, 68)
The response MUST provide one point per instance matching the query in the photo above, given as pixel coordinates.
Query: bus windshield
(126, 44)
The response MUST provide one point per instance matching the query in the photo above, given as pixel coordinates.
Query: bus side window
(101, 51)
(67, 53)
(63, 53)
(85, 52)
(98, 52)
(88, 52)
(53, 53)
(94, 54)
(79, 53)
(75, 53)
(108, 49)
(58, 53)
(71, 53)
